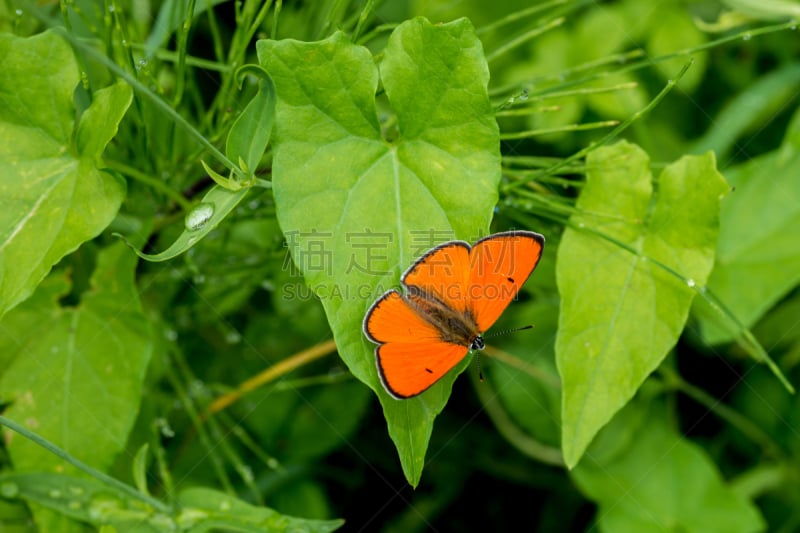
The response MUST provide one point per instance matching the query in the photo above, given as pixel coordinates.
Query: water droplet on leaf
(165, 428)
(54, 493)
(198, 216)
(233, 337)
(690, 282)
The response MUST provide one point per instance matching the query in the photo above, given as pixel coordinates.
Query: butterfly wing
(442, 273)
(500, 265)
(411, 356)
(409, 368)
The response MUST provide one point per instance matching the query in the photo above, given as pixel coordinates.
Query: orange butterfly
(453, 294)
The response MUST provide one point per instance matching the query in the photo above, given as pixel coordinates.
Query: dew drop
(74, 505)
(18, 12)
(273, 463)
(162, 522)
(225, 505)
(54, 493)
(233, 337)
(198, 216)
(101, 507)
(746, 37)
(165, 428)
(199, 279)
(9, 490)
(189, 517)
(247, 473)
(690, 282)
(77, 491)
(171, 335)
(111, 9)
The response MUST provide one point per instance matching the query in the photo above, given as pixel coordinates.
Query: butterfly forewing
(442, 273)
(392, 319)
(500, 265)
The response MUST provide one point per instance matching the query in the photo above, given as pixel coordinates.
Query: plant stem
(80, 465)
(509, 429)
(715, 405)
(155, 183)
(275, 371)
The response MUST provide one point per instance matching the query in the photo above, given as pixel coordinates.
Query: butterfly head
(477, 343)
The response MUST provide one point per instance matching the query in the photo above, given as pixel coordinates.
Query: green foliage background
(275, 166)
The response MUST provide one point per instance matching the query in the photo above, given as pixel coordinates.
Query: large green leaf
(758, 260)
(646, 477)
(54, 195)
(200, 510)
(216, 510)
(76, 372)
(357, 208)
(620, 312)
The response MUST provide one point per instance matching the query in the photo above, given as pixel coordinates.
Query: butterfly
(451, 295)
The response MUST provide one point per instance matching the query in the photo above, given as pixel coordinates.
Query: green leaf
(758, 259)
(766, 9)
(77, 372)
(207, 510)
(658, 481)
(53, 199)
(98, 124)
(249, 135)
(85, 500)
(140, 469)
(749, 111)
(217, 204)
(357, 209)
(673, 30)
(620, 312)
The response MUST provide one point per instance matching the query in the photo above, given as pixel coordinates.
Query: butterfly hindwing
(500, 265)
(409, 368)
(411, 355)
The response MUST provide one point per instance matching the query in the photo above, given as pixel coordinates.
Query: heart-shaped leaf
(620, 312)
(55, 196)
(758, 261)
(358, 205)
(75, 373)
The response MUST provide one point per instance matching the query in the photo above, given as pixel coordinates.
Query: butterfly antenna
(507, 331)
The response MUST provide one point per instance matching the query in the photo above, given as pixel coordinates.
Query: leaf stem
(509, 429)
(560, 129)
(610, 135)
(523, 38)
(715, 405)
(275, 371)
(80, 465)
(155, 183)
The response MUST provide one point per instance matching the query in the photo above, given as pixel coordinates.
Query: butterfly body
(452, 295)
